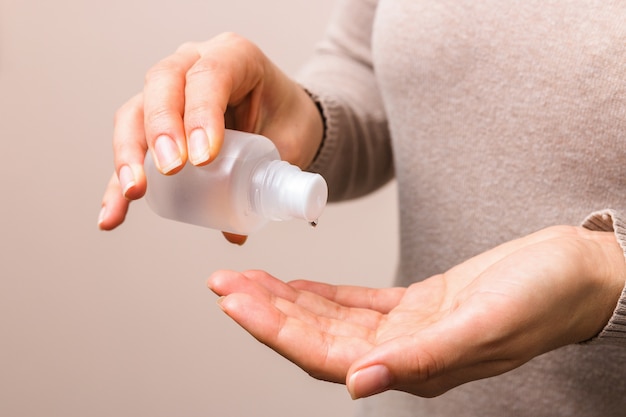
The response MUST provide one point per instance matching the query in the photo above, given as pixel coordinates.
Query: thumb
(419, 364)
(370, 380)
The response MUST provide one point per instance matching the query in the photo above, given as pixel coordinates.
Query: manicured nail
(102, 215)
(127, 179)
(198, 147)
(369, 381)
(167, 154)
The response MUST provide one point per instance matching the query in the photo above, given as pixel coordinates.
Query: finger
(428, 380)
(438, 385)
(322, 355)
(402, 363)
(330, 314)
(470, 343)
(114, 206)
(272, 284)
(332, 319)
(457, 341)
(381, 300)
(164, 103)
(377, 379)
(229, 70)
(129, 148)
(326, 316)
(225, 282)
(286, 297)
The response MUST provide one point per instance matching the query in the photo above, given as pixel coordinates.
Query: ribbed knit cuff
(329, 110)
(615, 330)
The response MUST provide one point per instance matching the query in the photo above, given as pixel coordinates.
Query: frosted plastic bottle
(244, 188)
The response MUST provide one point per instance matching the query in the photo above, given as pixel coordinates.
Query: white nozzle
(286, 192)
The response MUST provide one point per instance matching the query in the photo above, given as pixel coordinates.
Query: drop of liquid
(313, 223)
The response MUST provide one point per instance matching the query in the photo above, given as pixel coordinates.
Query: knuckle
(124, 150)
(159, 115)
(157, 71)
(208, 71)
(121, 151)
(232, 40)
(208, 65)
(229, 36)
(131, 109)
(187, 47)
(164, 69)
(119, 115)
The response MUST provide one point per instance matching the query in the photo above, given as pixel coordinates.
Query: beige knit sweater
(497, 118)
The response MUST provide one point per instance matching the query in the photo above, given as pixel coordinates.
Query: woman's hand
(188, 100)
(481, 318)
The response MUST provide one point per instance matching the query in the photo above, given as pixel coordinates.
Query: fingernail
(369, 381)
(219, 302)
(127, 179)
(198, 147)
(235, 238)
(102, 215)
(167, 154)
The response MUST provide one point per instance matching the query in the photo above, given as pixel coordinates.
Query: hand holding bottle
(188, 100)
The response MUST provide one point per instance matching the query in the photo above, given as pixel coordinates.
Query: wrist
(293, 121)
(609, 271)
(322, 117)
(311, 128)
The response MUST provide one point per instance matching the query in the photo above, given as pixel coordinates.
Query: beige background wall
(121, 323)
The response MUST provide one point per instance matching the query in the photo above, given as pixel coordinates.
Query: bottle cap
(287, 192)
(305, 195)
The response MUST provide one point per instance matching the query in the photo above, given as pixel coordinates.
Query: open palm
(481, 318)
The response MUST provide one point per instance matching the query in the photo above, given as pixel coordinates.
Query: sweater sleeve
(355, 156)
(611, 220)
